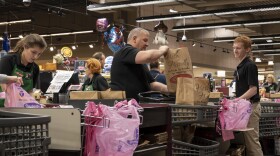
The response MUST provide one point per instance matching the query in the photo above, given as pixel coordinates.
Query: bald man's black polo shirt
(246, 75)
(127, 75)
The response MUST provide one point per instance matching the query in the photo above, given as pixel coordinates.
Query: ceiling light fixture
(266, 72)
(266, 50)
(68, 33)
(74, 47)
(184, 38)
(125, 4)
(193, 44)
(221, 40)
(173, 11)
(265, 44)
(263, 37)
(57, 34)
(271, 54)
(20, 36)
(49, 10)
(258, 60)
(226, 24)
(270, 63)
(16, 22)
(262, 23)
(91, 45)
(219, 12)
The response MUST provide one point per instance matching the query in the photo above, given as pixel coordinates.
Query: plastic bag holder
(105, 121)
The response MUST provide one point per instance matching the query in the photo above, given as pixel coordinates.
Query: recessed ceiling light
(258, 60)
(172, 11)
(270, 63)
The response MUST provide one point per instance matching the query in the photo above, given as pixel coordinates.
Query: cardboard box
(93, 95)
(276, 95)
(84, 95)
(50, 66)
(216, 95)
(112, 95)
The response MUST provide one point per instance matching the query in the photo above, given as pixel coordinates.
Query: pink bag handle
(128, 111)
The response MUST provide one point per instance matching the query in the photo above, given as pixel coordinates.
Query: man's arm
(250, 92)
(148, 56)
(157, 86)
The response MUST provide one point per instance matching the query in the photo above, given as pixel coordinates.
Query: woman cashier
(95, 80)
(21, 63)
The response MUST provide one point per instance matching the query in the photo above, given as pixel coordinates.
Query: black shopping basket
(197, 147)
(23, 134)
(270, 119)
(157, 97)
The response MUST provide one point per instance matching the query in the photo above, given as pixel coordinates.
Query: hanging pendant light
(161, 26)
(184, 38)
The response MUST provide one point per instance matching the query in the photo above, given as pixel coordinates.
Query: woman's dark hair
(30, 41)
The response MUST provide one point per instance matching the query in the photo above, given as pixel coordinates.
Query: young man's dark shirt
(246, 75)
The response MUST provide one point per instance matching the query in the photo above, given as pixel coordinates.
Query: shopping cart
(23, 134)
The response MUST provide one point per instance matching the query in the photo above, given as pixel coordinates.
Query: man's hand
(164, 49)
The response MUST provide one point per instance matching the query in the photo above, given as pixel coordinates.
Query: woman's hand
(15, 79)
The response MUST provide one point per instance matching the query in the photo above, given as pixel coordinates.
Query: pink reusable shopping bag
(121, 138)
(234, 115)
(18, 97)
(92, 112)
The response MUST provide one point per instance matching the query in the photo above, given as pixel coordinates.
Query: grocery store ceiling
(55, 16)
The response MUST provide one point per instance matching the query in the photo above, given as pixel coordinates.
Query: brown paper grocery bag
(112, 95)
(177, 63)
(185, 91)
(84, 95)
(201, 91)
(192, 91)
